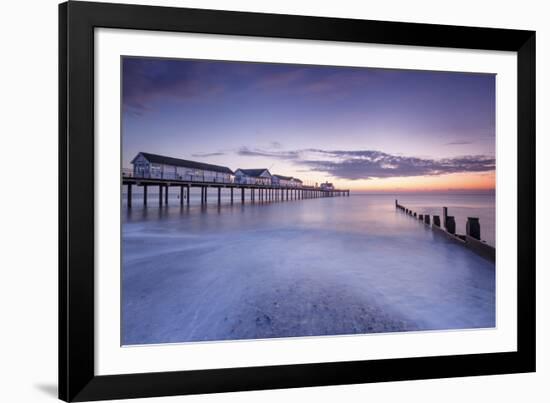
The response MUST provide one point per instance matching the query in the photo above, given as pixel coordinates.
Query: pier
(237, 191)
(447, 227)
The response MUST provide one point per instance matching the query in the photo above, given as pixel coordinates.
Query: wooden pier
(256, 193)
(447, 227)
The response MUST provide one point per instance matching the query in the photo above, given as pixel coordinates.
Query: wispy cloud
(207, 154)
(285, 155)
(369, 164)
(459, 143)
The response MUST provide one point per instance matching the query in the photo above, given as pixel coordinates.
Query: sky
(365, 129)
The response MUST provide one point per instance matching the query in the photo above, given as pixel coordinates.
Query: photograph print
(263, 200)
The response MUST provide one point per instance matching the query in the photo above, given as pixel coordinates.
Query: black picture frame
(77, 379)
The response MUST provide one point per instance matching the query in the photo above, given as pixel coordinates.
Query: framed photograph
(256, 201)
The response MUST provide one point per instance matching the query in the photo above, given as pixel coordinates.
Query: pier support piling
(160, 195)
(231, 195)
(145, 195)
(219, 195)
(181, 195)
(129, 195)
(188, 195)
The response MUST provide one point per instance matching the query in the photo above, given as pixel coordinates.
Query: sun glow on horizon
(484, 181)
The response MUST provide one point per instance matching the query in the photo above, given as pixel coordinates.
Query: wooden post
(472, 228)
(242, 195)
(129, 195)
(450, 224)
(160, 195)
(181, 195)
(427, 219)
(437, 223)
(166, 195)
(206, 195)
(231, 195)
(188, 195)
(145, 195)
(445, 217)
(251, 194)
(219, 195)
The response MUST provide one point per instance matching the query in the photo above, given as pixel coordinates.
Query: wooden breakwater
(446, 226)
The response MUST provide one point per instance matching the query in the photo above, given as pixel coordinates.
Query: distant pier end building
(260, 176)
(327, 186)
(153, 166)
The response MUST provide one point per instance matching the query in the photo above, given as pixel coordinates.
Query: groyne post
(426, 219)
(445, 216)
(472, 228)
(450, 224)
(437, 223)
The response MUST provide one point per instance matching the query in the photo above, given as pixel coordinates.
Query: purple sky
(343, 124)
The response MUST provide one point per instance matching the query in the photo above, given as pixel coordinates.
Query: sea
(315, 267)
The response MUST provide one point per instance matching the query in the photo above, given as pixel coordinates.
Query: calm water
(300, 268)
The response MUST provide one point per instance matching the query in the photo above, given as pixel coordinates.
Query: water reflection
(278, 269)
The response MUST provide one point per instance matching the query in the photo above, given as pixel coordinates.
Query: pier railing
(447, 226)
(128, 173)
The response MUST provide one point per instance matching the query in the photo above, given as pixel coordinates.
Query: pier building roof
(286, 178)
(254, 172)
(161, 159)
